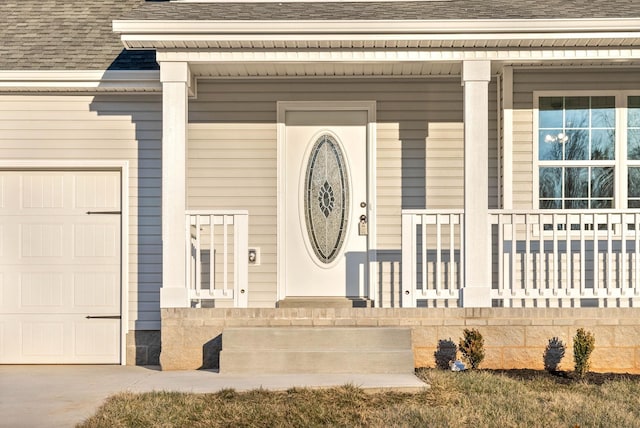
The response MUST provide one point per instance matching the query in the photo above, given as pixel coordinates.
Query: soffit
(377, 69)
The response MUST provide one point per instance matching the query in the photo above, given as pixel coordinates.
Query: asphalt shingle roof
(66, 35)
(455, 9)
(77, 34)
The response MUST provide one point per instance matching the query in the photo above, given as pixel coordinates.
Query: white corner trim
(507, 135)
(109, 80)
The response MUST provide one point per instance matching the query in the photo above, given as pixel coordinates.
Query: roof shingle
(66, 35)
(454, 9)
(77, 34)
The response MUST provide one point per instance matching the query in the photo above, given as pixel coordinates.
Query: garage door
(60, 267)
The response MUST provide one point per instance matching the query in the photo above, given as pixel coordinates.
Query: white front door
(60, 267)
(325, 181)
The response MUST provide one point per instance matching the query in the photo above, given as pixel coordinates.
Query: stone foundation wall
(514, 337)
(143, 348)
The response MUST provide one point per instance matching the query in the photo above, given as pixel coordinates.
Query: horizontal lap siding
(233, 166)
(102, 127)
(525, 82)
(233, 149)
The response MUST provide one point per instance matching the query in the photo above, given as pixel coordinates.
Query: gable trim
(80, 80)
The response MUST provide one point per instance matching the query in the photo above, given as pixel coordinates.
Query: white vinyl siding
(232, 157)
(233, 166)
(102, 127)
(560, 81)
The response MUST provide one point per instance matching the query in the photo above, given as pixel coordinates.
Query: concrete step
(316, 350)
(234, 362)
(316, 338)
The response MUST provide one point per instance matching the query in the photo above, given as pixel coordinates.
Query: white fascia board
(83, 80)
(294, 34)
(161, 38)
(468, 26)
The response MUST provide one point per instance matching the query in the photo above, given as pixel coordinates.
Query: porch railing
(217, 256)
(432, 256)
(571, 258)
(539, 258)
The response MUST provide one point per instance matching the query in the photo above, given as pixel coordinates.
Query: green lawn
(469, 399)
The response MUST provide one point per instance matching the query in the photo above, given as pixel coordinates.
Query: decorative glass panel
(326, 198)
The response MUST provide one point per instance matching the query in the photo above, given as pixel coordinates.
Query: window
(588, 151)
(633, 151)
(577, 152)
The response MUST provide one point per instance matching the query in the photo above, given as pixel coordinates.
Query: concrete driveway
(62, 396)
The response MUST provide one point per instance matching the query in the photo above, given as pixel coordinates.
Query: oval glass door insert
(326, 198)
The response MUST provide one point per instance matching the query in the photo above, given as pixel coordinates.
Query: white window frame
(620, 163)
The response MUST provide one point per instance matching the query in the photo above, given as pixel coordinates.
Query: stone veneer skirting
(514, 337)
(143, 348)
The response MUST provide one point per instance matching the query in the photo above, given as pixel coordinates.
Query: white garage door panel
(42, 339)
(59, 263)
(89, 290)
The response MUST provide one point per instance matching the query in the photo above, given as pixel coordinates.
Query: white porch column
(477, 232)
(175, 83)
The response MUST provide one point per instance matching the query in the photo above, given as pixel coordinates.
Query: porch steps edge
(316, 338)
(316, 350)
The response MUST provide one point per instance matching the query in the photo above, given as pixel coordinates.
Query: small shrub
(583, 344)
(553, 354)
(446, 352)
(472, 347)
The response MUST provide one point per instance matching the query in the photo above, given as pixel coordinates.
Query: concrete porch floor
(62, 396)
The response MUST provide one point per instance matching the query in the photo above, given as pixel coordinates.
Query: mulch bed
(566, 378)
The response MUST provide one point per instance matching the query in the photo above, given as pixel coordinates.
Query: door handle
(103, 212)
(363, 230)
(103, 317)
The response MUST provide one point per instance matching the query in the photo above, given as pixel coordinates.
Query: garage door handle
(104, 317)
(103, 212)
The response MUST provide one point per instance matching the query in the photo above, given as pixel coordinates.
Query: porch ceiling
(327, 69)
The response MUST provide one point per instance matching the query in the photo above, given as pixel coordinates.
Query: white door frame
(92, 165)
(370, 107)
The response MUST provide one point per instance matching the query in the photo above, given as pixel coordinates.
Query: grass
(469, 399)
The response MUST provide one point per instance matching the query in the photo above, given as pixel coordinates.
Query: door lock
(363, 229)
